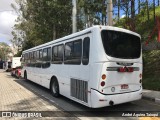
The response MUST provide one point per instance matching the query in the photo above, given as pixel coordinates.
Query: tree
(4, 50)
(133, 14)
(147, 9)
(42, 21)
(139, 6)
(154, 14)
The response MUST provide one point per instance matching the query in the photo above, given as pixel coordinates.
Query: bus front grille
(79, 89)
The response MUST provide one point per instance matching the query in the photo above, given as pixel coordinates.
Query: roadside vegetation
(151, 72)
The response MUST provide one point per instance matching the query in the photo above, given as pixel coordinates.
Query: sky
(7, 20)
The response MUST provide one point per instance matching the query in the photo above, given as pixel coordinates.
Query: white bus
(97, 67)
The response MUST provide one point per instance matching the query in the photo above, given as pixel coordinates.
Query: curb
(156, 100)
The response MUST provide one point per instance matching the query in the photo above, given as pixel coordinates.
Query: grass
(151, 70)
(151, 82)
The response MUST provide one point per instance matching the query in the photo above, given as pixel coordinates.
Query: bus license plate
(124, 86)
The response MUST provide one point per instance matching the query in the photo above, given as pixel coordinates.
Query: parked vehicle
(1, 64)
(16, 66)
(16, 62)
(16, 72)
(7, 66)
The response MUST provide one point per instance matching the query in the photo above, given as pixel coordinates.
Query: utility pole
(74, 14)
(110, 12)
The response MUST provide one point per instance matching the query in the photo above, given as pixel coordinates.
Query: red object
(125, 69)
(156, 28)
(124, 86)
(122, 70)
(19, 73)
(102, 83)
(130, 69)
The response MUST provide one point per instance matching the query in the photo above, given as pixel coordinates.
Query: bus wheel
(54, 88)
(25, 75)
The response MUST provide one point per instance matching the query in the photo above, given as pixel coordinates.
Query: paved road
(22, 95)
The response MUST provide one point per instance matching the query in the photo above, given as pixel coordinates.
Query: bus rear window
(121, 45)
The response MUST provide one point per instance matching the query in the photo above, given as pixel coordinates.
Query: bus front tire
(25, 75)
(55, 88)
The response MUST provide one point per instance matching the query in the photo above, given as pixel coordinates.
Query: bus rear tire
(25, 75)
(54, 88)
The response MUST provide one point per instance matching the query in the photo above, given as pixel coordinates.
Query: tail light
(125, 69)
(103, 77)
(130, 69)
(121, 70)
(140, 75)
(102, 83)
(140, 81)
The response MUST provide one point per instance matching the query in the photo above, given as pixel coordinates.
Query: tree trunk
(132, 9)
(147, 9)
(133, 15)
(139, 6)
(118, 10)
(154, 14)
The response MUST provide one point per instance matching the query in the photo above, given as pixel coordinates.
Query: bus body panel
(115, 79)
(82, 83)
(100, 100)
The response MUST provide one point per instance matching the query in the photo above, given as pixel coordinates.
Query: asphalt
(151, 95)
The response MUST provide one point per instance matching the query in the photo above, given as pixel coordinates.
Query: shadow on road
(77, 109)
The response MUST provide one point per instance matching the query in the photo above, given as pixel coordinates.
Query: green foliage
(143, 26)
(151, 63)
(151, 79)
(18, 54)
(4, 50)
(38, 19)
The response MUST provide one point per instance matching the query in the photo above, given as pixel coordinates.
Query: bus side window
(73, 52)
(35, 56)
(45, 54)
(57, 54)
(86, 46)
(49, 54)
(76, 59)
(39, 59)
(46, 57)
(40, 55)
(26, 58)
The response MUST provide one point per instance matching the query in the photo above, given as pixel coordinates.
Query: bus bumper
(100, 100)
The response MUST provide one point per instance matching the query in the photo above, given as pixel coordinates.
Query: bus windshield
(121, 45)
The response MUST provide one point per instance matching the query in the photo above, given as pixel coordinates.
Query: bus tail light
(130, 69)
(125, 69)
(102, 83)
(140, 81)
(140, 75)
(122, 69)
(103, 77)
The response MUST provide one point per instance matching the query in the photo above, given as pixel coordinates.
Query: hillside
(151, 58)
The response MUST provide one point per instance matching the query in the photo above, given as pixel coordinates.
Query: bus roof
(83, 32)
